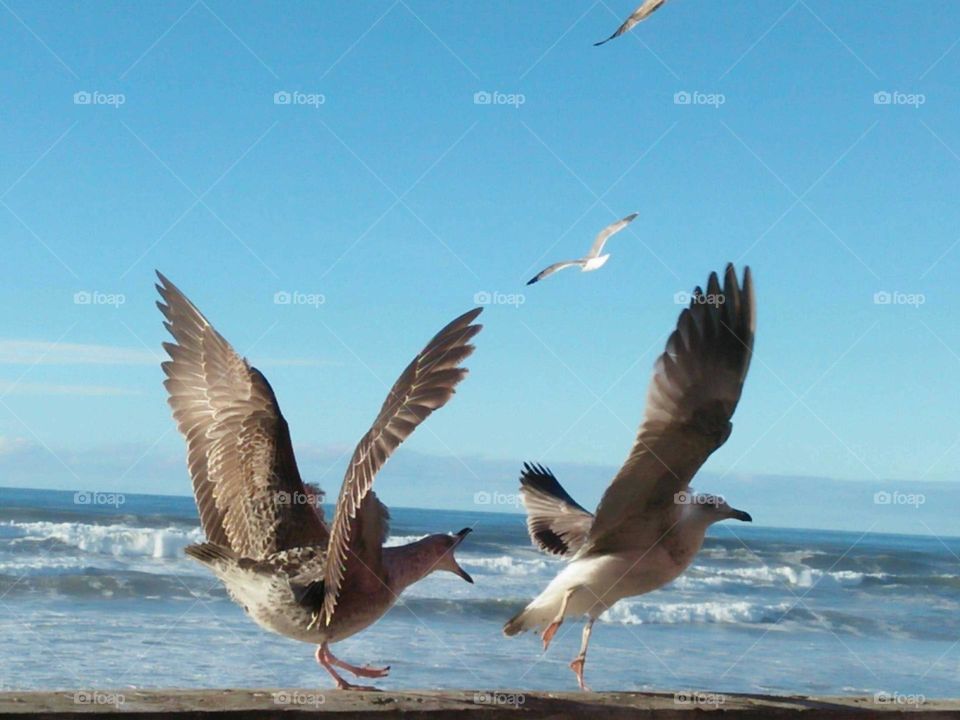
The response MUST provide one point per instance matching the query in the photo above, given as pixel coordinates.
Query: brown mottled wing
(426, 385)
(245, 479)
(639, 15)
(694, 391)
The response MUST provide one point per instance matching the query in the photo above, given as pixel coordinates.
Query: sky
(332, 182)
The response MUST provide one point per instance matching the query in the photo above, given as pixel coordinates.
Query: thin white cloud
(26, 388)
(41, 352)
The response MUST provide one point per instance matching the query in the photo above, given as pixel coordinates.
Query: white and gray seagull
(638, 16)
(267, 538)
(649, 524)
(593, 260)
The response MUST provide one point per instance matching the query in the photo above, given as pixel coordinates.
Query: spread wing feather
(694, 391)
(245, 478)
(424, 386)
(557, 524)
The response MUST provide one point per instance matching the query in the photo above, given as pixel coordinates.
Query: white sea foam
(638, 613)
(111, 540)
(506, 565)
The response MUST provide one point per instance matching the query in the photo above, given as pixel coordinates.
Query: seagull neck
(409, 563)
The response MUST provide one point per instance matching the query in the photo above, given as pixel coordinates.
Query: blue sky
(390, 193)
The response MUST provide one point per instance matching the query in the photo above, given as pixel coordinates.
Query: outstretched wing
(639, 15)
(426, 385)
(548, 271)
(694, 391)
(607, 233)
(556, 522)
(245, 479)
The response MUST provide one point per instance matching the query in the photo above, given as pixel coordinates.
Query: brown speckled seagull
(267, 539)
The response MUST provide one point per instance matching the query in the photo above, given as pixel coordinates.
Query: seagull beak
(741, 515)
(456, 569)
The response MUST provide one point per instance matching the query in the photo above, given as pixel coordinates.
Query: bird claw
(577, 667)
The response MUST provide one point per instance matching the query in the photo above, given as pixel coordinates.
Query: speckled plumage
(267, 538)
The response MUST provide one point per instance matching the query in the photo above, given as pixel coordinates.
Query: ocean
(95, 592)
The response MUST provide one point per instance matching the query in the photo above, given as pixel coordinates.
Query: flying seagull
(649, 524)
(639, 15)
(267, 538)
(593, 260)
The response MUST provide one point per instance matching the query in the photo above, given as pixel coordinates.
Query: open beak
(741, 515)
(457, 570)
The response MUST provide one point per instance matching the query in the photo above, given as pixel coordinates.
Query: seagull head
(715, 508)
(445, 545)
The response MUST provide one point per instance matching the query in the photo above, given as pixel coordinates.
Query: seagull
(649, 524)
(639, 15)
(593, 260)
(266, 535)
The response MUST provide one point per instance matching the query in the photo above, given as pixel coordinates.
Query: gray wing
(607, 232)
(694, 391)
(426, 385)
(548, 271)
(639, 15)
(556, 522)
(245, 479)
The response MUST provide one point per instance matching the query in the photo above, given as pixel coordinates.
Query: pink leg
(323, 657)
(364, 671)
(558, 620)
(581, 659)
